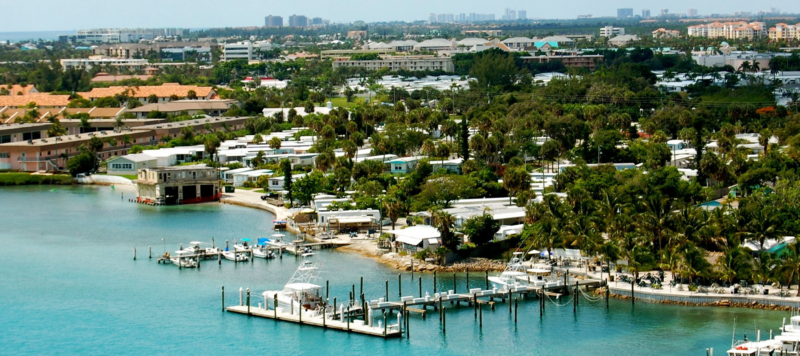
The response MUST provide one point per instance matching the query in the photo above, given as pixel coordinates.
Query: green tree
(516, 180)
(286, 167)
(275, 143)
(481, 228)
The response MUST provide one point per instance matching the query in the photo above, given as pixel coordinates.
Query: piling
(334, 305)
(150, 252)
(434, 281)
(134, 253)
(408, 323)
(327, 288)
(633, 297)
(454, 284)
(412, 269)
(607, 293)
(212, 242)
(475, 304)
(480, 316)
(385, 326)
(468, 279)
(360, 288)
(219, 259)
(516, 308)
(387, 290)
(399, 285)
(420, 286)
(353, 296)
(487, 280)
(300, 312)
(541, 302)
(223, 298)
(275, 306)
(248, 301)
(575, 299)
(444, 321)
(509, 299)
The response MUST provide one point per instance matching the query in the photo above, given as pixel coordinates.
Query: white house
(249, 176)
(130, 164)
(276, 183)
(227, 176)
(417, 238)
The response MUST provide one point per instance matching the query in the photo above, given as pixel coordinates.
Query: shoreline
(723, 303)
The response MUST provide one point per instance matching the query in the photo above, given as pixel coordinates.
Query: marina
(142, 307)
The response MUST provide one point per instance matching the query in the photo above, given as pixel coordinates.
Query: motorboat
(793, 327)
(184, 258)
(513, 276)
(302, 290)
(204, 252)
(235, 256)
(244, 246)
(260, 250)
(754, 348)
(279, 224)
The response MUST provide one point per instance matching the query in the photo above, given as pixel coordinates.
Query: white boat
(513, 276)
(302, 290)
(184, 258)
(753, 348)
(793, 326)
(235, 256)
(243, 247)
(205, 252)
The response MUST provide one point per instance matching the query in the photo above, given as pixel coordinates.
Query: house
(622, 40)
(178, 185)
(276, 183)
(163, 93)
(452, 166)
(252, 176)
(41, 100)
(227, 175)
(303, 160)
(417, 238)
(518, 43)
(404, 165)
(190, 107)
(17, 89)
(350, 220)
(130, 164)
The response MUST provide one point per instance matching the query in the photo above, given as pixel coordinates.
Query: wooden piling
(334, 306)
(360, 288)
(248, 301)
(134, 253)
(516, 308)
(480, 316)
(327, 288)
(444, 321)
(385, 325)
(223, 298)
(399, 285)
(408, 323)
(454, 284)
(275, 306)
(633, 297)
(387, 290)
(467, 279)
(487, 280)
(434, 282)
(150, 252)
(607, 294)
(412, 269)
(420, 286)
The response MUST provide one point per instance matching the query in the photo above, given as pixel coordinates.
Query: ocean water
(69, 285)
(33, 35)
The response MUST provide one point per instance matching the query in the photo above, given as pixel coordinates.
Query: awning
(409, 240)
(433, 241)
(353, 220)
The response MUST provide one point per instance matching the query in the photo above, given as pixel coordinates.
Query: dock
(312, 318)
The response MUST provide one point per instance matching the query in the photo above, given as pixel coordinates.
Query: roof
(416, 232)
(185, 105)
(517, 40)
(471, 41)
(138, 157)
(15, 89)
(436, 42)
(95, 112)
(40, 99)
(117, 78)
(163, 91)
(406, 159)
(559, 39)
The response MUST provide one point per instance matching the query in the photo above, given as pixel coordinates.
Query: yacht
(243, 247)
(302, 289)
(277, 241)
(184, 258)
(513, 276)
(205, 252)
(235, 256)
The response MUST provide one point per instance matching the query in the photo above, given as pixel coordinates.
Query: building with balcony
(178, 185)
(782, 31)
(412, 63)
(568, 60)
(611, 31)
(731, 30)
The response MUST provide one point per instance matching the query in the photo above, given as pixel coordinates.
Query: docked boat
(261, 250)
(184, 258)
(244, 246)
(277, 241)
(302, 289)
(235, 256)
(279, 224)
(756, 348)
(204, 252)
(513, 276)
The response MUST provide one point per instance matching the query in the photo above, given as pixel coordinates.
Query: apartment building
(273, 21)
(664, 33)
(732, 30)
(164, 93)
(782, 31)
(568, 60)
(92, 61)
(245, 50)
(412, 63)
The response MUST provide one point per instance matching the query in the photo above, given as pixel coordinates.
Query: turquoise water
(69, 285)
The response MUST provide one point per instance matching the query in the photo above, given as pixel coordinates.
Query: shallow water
(69, 285)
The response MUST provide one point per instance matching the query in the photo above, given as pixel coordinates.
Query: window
(5, 155)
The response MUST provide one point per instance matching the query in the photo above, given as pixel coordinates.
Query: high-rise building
(273, 21)
(298, 21)
(522, 15)
(692, 13)
(624, 13)
(316, 21)
(509, 15)
(664, 12)
(462, 17)
(645, 14)
(432, 18)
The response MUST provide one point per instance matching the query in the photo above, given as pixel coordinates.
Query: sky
(60, 15)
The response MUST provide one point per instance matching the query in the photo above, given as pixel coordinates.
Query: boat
(753, 348)
(260, 250)
(235, 256)
(204, 252)
(279, 224)
(277, 241)
(302, 290)
(243, 247)
(184, 258)
(513, 276)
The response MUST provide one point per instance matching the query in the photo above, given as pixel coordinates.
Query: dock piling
(467, 279)
(150, 252)
(241, 296)
(327, 288)
(400, 285)
(480, 316)
(275, 306)
(387, 290)
(134, 253)
(212, 242)
(516, 308)
(487, 279)
(360, 288)
(248, 301)
(633, 297)
(444, 321)
(412, 269)
(385, 326)
(607, 293)
(223, 298)
(434, 281)
(454, 284)
(420, 286)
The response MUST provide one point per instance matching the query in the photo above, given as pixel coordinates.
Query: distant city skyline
(208, 14)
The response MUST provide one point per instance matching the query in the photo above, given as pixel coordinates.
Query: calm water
(69, 286)
(33, 35)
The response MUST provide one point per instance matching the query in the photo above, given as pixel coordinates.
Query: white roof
(415, 233)
(518, 40)
(302, 286)
(472, 41)
(353, 219)
(138, 157)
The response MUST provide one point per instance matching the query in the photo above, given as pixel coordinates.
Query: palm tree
(693, 262)
(745, 67)
(445, 223)
(790, 264)
(609, 252)
(763, 139)
(275, 143)
(755, 67)
(654, 221)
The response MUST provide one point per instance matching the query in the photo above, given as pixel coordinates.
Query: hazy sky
(51, 15)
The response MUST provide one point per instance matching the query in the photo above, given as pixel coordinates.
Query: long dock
(317, 320)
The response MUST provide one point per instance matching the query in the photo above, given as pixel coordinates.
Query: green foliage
(481, 228)
(29, 179)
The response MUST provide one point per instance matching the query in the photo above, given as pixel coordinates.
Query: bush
(422, 255)
(27, 179)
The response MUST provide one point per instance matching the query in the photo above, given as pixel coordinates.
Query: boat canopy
(246, 239)
(195, 243)
(302, 286)
(278, 221)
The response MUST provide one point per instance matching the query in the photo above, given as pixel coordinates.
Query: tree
(464, 139)
(393, 205)
(516, 180)
(258, 160)
(309, 107)
(257, 139)
(211, 144)
(286, 167)
(305, 188)
(442, 190)
(275, 143)
(445, 222)
(191, 95)
(481, 228)
(494, 68)
(152, 99)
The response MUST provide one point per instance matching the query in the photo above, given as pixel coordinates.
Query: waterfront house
(350, 220)
(178, 185)
(416, 238)
(130, 164)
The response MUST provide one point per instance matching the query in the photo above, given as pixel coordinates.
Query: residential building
(42, 100)
(88, 63)
(394, 63)
(190, 107)
(436, 44)
(568, 60)
(611, 31)
(130, 164)
(105, 78)
(522, 15)
(645, 13)
(664, 33)
(17, 89)
(356, 34)
(334, 53)
(731, 30)
(416, 238)
(250, 176)
(164, 93)
(518, 43)
(175, 51)
(394, 46)
(781, 31)
(624, 13)
(298, 21)
(692, 13)
(273, 21)
(404, 165)
(246, 50)
(178, 185)
(664, 12)
(22, 132)
(509, 15)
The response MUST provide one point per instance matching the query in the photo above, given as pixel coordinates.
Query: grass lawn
(261, 191)
(342, 102)
(128, 176)
(15, 178)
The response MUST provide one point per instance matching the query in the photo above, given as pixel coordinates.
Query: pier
(316, 319)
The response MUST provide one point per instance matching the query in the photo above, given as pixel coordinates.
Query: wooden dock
(475, 295)
(315, 319)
